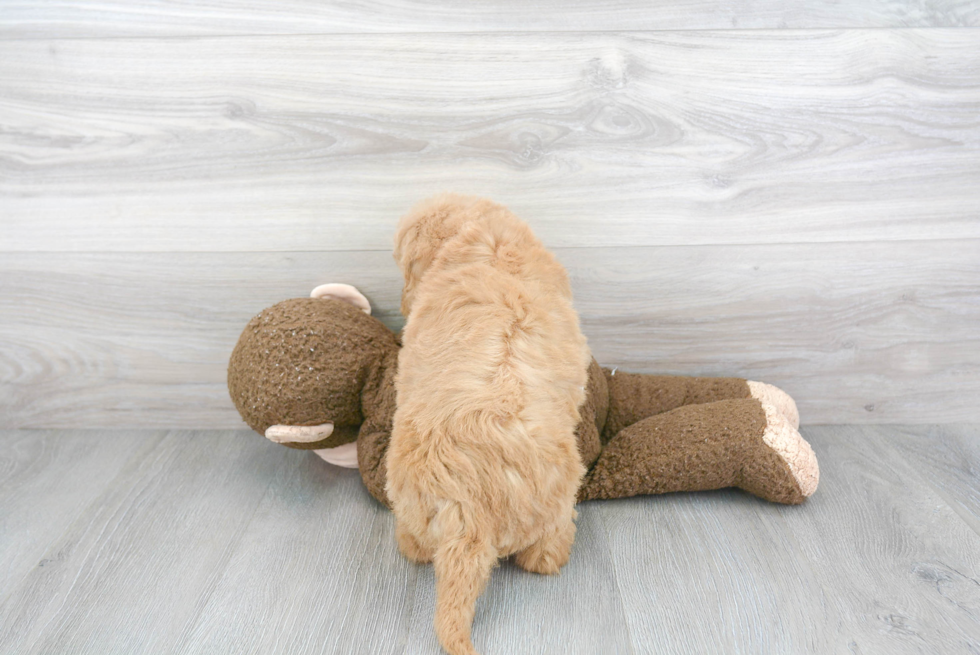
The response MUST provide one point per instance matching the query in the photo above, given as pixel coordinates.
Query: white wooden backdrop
(787, 191)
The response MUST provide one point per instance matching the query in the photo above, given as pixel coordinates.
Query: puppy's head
(422, 232)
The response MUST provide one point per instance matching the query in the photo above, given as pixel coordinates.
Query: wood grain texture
(318, 570)
(46, 481)
(144, 340)
(221, 542)
(947, 456)
(883, 531)
(859, 568)
(134, 568)
(578, 612)
(855, 332)
(321, 142)
(85, 18)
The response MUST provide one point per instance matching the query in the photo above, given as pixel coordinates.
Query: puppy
(483, 461)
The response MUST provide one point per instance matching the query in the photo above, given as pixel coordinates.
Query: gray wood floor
(220, 542)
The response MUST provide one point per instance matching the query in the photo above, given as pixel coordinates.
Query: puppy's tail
(463, 562)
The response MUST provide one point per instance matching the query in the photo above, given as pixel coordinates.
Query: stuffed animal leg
(635, 396)
(727, 443)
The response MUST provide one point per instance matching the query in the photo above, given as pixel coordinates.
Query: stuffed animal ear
(298, 433)
(345, 455)
(344, 292)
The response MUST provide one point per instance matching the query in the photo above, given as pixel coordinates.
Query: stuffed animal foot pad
(768, 394)
(728, 443)
(783, 437)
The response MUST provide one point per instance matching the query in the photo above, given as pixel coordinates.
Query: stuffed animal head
(298, 370)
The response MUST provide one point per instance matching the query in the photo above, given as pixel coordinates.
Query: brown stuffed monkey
(318, 374)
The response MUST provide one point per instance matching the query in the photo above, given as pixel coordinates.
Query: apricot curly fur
(483, 461)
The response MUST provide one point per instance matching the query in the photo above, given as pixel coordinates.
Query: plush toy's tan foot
(768, 394)
(783, 437)
(729, 443)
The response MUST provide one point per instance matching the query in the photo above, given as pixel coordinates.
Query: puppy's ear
(411, 258)
(345, 455)
(344, 292)
(423, 230)
(408, 295)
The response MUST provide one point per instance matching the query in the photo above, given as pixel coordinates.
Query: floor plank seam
(69, 524)
(624, 246)
(488, 33)
(180, 644)
(615, 571)
(969, 520)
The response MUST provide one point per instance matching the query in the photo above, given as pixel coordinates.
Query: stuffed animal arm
(318, 374)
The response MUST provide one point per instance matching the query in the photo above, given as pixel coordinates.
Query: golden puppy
(483, 460)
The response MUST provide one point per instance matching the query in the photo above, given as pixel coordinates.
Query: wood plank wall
(787, 191)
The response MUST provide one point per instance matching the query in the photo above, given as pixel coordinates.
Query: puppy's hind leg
(410, 546)
(463, 562)
(551, 552)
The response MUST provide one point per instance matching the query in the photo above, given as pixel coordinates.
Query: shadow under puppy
(483, 461)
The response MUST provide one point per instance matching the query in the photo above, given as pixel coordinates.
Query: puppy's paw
(549, 554)
(411, 548)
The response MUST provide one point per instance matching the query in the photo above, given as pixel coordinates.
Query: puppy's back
(491, 375)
